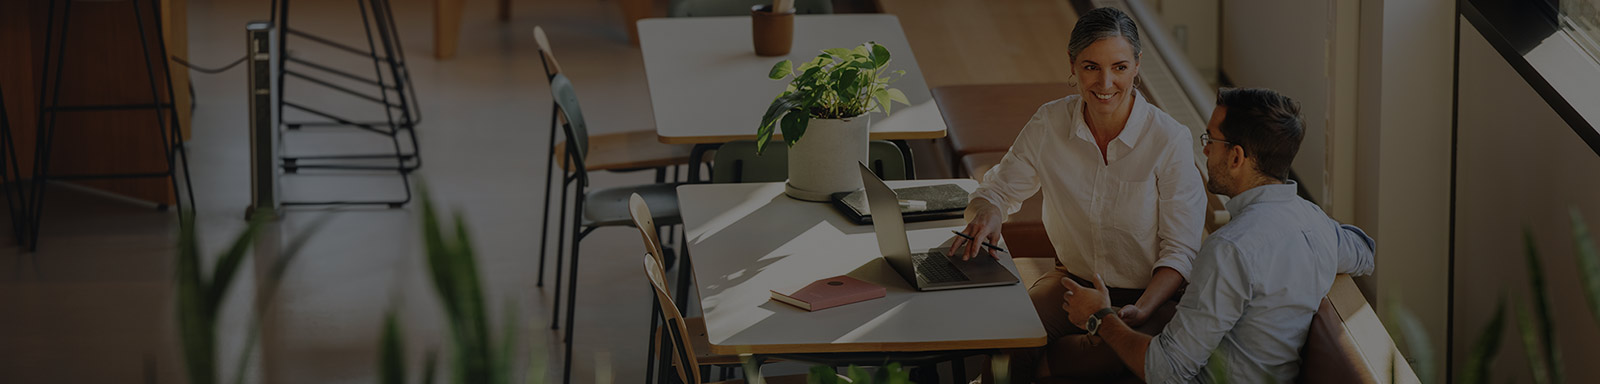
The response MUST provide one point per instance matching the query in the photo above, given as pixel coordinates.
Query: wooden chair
(616, 152)
(687, 336)
(592, 209)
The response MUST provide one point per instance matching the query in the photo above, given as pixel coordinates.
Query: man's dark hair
(1266, 124)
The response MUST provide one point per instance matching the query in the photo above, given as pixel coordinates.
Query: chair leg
(561, 245)
(572, 284)
(549, 168)
(650, 355)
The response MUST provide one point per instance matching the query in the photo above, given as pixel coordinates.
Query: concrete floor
(94, 304)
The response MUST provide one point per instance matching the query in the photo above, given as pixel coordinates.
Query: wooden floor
(987, 42)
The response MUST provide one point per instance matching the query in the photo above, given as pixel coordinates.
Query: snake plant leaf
(196, 321)
(1588, 262)
(1217, 367)
(228, 265)
(430, 367)
(392, 361)
(1530, 345)
(508, 347)
(1483, 351)
(1416, 340)
(1541, 301)
(475, 341)
(781, 69)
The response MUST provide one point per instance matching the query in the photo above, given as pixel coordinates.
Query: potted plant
(828, 102)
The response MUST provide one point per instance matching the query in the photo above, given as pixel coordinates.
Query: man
(1258, 280)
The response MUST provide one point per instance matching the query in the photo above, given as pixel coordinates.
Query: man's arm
(1355, 250)
(1130, 345)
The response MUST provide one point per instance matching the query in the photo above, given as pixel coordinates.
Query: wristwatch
(1094, 321)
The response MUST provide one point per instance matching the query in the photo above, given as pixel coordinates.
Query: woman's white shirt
(1122, 220)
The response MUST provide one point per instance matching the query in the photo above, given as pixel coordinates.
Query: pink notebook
(831, 292)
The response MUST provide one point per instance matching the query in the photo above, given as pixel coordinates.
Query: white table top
(747, 239)
(708, 86)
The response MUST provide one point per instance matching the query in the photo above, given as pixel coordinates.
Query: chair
(593, 209)
(616, 152)
(737, 162)
(645, 222)
(705, 8)
(686, 336)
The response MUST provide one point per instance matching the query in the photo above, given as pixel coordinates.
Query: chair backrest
(705, 8)
(576, 131)
(646, 224)
(1328, 355)
(546, 57)
(737, 162)
(676, 331)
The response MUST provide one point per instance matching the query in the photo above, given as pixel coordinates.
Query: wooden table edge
(727, 138)
(921, 346)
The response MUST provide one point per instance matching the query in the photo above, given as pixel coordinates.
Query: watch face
(1094, 325)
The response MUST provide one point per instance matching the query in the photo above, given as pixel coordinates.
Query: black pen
(969, 238)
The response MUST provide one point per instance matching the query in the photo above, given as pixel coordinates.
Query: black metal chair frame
(401, 114)
(11, 175)
(50, 94)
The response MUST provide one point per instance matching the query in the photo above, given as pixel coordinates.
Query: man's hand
(984, 220)
(1133, 315)
(1082, 302)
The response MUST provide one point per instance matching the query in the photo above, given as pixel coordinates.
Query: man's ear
(1235, 156)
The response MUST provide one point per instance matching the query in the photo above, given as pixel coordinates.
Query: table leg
(446, 28)
(632, 12)
(695, 155)
(505, 10)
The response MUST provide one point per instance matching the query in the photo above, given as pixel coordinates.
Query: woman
(1122, 197)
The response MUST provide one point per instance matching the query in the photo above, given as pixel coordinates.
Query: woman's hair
(1102, 23)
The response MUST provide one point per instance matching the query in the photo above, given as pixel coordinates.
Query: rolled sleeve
(1181, 208)
(1215, 300)
(1355, 251)
(1016, 178)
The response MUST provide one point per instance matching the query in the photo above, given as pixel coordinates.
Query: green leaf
(430, 367)
(781, 69)
(196, 323)
(1541, 302)
(880, 56)
(794, 126)
(1588, 262)
(1415, 335)
(508, 347)
(838, 53)
(1483, 351)
(822, 374)
(861, 51)
(228, 265)
(1530, 345)
(1217, 367)
(392, 361)
(858, 375)
(779, 108)
(897, 96)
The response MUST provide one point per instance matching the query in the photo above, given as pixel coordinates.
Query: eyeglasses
(1206, 137)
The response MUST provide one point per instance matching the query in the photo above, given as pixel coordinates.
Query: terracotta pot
(823, 161)
(772, 33)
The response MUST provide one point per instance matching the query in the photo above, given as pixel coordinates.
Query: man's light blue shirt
(1256, 283)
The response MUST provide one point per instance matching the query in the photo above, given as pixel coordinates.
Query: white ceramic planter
(824, 160)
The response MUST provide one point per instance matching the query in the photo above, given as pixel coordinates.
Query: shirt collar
(1261, 194)
(1131, 131)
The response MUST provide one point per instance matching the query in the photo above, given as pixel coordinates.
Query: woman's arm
(1165, 283)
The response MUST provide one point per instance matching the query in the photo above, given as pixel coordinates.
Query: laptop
(928, 270)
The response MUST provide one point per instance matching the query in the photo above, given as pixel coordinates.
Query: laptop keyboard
(936, 268)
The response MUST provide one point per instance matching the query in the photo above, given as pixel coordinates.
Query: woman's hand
(1133, 315)
(983, 224)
